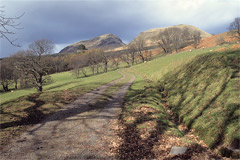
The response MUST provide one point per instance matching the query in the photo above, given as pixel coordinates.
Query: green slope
(204, 94)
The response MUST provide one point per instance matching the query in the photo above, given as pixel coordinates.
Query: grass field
(61, 81)
(155, 69)
(26, 109)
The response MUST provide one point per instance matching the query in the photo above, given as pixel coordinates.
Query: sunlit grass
(155, 69)
(63, 81)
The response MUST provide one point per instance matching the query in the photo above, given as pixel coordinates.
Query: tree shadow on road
(38, 109)
(34, 114)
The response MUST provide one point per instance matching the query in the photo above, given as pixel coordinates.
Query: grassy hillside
(180, 94)
(204, 94)
(145, 118)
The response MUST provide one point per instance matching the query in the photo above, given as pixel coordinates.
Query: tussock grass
(202, 89)
(204, 94)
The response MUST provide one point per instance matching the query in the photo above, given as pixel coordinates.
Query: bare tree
(234, 27)
(115, 59)
(164, 40)
(6, 74)
(105, 58)
(15, 73)
(177, 37)
(138, 45)
(125, 57)
(149, 54)
(196, 36)
(186, 36)
(94, 60)
(132, 52)
(34, 64)
(7, 25)
(57, 64)
(79, 64)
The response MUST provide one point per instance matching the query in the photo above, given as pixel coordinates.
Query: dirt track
(80, 130)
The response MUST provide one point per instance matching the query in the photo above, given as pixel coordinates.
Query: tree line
(31, 67)
(175, 38)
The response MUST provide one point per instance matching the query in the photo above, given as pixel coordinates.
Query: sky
(68, 21)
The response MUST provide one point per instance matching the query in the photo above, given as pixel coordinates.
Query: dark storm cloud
(66, 22)
(70, 21)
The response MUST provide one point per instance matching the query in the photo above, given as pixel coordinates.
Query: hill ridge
(108, 41)
(149, 35)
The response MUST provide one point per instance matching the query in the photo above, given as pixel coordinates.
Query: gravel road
(80, 130)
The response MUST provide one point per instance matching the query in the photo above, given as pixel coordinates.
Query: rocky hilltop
(149, 35)
(106, 41)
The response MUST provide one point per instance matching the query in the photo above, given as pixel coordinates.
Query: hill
(108, 41)
(215, 40)
(204, 95)
(149, 35)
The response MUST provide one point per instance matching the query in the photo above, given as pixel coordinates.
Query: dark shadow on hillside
(223, 87)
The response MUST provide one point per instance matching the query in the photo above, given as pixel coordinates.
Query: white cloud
(202, 13)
